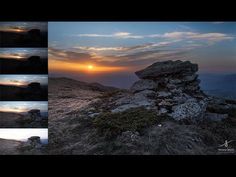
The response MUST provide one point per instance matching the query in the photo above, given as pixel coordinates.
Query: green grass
(135, 119)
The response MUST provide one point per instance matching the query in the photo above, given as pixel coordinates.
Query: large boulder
(159, 69)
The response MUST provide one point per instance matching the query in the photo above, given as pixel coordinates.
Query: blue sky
(115, 50)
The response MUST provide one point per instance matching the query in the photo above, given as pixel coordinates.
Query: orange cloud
(14, 56)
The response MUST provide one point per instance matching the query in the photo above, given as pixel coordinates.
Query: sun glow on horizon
(12, 83)
(13, 30)
(19, 57)
(11, 56)
(90, 67)
(55, 65)
(21, 110)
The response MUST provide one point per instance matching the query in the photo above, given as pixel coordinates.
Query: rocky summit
(168, 68)
(164, 112)
(170, 87)
(175, 89)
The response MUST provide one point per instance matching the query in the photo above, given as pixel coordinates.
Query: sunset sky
(23, 80)
(110, 52)
(23, 53)
(23, 106)
(19, 27)
(22, 134)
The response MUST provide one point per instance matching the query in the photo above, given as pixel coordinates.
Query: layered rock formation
(168, 68)
(171, 76)
(170, 87)
(35, 115)
(34, 142)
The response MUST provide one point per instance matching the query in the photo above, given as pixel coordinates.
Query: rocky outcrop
(33, 119)
(35, 115)
(168, 68)
(34, 59)
(34, 142)
(34, 86)
(178, 91)
(170, 88)
(34, 32)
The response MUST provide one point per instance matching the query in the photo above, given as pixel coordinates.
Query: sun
(90, 67)
(18, 57)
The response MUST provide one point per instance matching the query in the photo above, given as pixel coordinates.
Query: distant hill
(12, 39)
(219, 85)
(15, 93)
(23, 66)
(9, 119)
(9, 147)
(60, 82)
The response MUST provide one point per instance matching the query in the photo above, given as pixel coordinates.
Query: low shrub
(134, 119)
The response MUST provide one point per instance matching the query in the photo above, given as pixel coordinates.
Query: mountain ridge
(164, 113)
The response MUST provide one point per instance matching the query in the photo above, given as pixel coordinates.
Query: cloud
(217, 23)
(121, 35)
(212, 37)
(94, 35)
(127, 35)
(101, 48)
(121, 51)
(176, 35)
(68, 55)
(15, 81)
(167, 46)
(131, 59)
(143, 59)
(209, 37)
